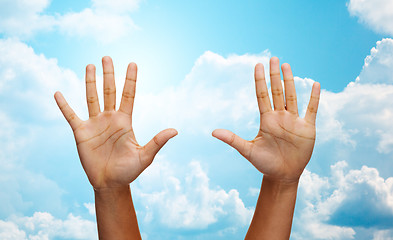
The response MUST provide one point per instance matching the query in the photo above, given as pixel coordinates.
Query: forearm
(274, 211)
(116, 217)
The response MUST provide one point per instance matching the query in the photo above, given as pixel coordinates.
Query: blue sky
(195, 63)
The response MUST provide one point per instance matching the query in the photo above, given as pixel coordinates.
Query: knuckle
(232, 139)
(274, 74)
(128, 95)
(312, 109)
(315, 97)
(92, 99)
(276, 91)
(80, 126)
(292, 111)
(90, 81)
(71, 116)
(290, 98)
(131, 79)
(63, 107)
(155, 140)
(264, 110)
(263, 94)
(109, 91)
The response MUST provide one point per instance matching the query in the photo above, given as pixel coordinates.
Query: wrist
(280, 186)
(111, 190)
(282, 180)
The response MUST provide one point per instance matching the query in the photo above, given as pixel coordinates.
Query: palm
(108, 150)
(284, 143)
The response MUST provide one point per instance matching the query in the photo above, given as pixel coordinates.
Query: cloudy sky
(196, 64)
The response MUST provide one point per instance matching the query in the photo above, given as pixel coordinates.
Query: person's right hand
(108, 150)
(284, 143)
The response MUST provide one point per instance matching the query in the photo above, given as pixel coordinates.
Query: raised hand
(108, 150)
(284, 143)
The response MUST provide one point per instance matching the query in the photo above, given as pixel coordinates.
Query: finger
(67, 111)
(238, 143)
(275, 82)
(91, 91)
(312, 108)
(261, 89)
(153, 146)
(290, 91)
(109, 84)
(127, 99)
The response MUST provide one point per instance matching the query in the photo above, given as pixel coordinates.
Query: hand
(284, 143)
(107, 148)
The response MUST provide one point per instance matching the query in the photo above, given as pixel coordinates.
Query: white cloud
(29, 79)
(104, 21)
(189, 202)
(28, 82)
(10, 231)
(10, 143)
(43, 226)
(319, 230)
(91, 208)
(20, 189)
(253, 191)
(311, 222)
(23, 190)
(218, 92)
(377, 14)
(378, 66)
(358, 109)
(361, 110)
(383, 235)
(334, 206)
(24, 17)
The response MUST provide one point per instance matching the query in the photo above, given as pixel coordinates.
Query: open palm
(108, 150)
(284, 143)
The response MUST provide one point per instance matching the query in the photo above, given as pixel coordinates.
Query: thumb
(153, 146)
(238, 143)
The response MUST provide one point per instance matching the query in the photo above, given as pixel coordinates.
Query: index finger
(91, 91)
(311, 113)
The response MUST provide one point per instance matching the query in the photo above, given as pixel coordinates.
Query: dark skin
(109, 152)
(281, 150)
